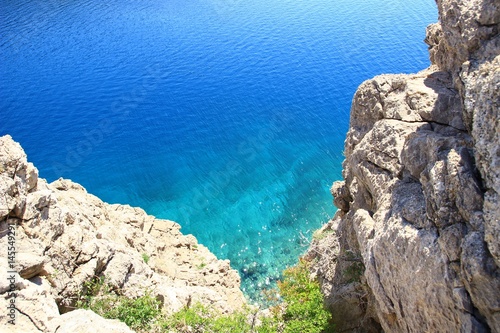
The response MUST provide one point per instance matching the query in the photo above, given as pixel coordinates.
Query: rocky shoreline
(415, 244)
(62, 237)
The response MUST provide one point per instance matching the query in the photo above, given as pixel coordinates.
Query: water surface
(228, 117)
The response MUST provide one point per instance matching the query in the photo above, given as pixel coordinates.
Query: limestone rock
(416, 246)
(481, 103)
(9, 199)
(14, 165)
(463, 26)
(36, 307)
(341, 196)
(81, 321)
(29, 265)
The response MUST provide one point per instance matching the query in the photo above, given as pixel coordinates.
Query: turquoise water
(226, 116)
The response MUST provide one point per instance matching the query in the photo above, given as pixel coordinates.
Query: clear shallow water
(226, 116)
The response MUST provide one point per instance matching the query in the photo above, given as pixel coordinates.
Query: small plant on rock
(304, 311)
(137, 313)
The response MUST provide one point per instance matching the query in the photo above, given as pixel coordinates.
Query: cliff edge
(415, 244)
(56, 237)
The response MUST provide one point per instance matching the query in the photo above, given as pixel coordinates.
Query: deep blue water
(227, 116)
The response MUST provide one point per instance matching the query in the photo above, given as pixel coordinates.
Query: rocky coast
(415, 244)
(60, 237)
(413, 247)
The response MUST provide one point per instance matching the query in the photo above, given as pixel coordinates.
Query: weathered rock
(341, 196)
(9, 199)
(81, 321)
(417, 240)
(463, 27)
(65, 237)
(29, 265)
(35, 304)
(13, 164)
(481, 77)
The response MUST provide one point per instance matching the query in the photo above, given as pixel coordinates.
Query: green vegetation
(138, 313)
(145, 257)
(303, 311)
(200, 319)
(321, 234)
(299, 309)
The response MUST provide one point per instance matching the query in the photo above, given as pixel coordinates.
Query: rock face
(416, 242)
(79, 321)
(64, 237)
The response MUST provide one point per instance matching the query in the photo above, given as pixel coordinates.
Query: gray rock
(83, 321)
(420, 200)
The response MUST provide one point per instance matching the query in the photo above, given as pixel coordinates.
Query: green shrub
(193, 319)
(304, 311)
(201, 265)
(145, 257)
(200, 319)
(139, 312)
(136, 313)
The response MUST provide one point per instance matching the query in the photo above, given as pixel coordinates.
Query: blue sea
(227, 116)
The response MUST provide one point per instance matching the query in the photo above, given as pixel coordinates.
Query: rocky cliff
(60, 237)
(415, 245)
